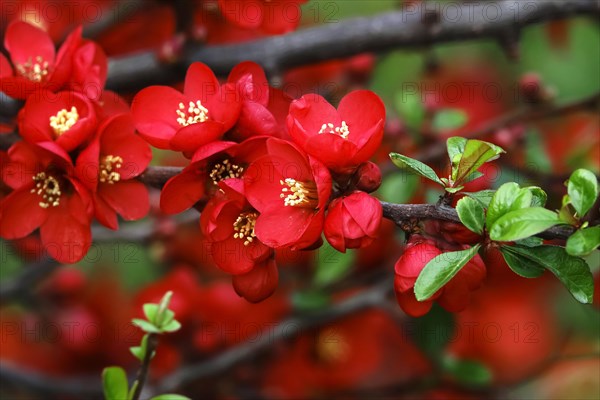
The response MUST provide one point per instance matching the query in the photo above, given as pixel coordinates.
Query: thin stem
(142, 374)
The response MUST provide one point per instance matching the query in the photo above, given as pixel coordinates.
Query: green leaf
(467, 372)
(456, 147)
(150, 311)
(139, 352)
(535, 153)
(471, 214)
(454, 189)
(521, 265)
(473, 176)
(172, 326)
(332, 265)
(440, 270)
(583, 190)
(522, 223)
(170, 397)
(532, 241)
(572, 271)
(449, 119)
(501, 202)
(311, 300)
(145, 325)
(163, 306)
(114, 381)
(523, 200)
(476, 153)
(411, 109)
(484, 197)
(416, 166)
(583, 241)
(539, 196)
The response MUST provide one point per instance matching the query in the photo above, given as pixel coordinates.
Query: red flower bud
(368, 177)
(258, 284)
(352, 221)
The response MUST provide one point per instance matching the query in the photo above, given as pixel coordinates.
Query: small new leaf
(114, 382)
(440, 270)
(416, 166)
(520, 224)
(171, 326)
(146, 326)
(583, 241)
(501, 202)
(476, 153)
(484, 197)
(583, 190)
(170, 397)
(471, 214)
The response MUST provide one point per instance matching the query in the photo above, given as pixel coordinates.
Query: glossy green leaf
(332, 265)
(471, 214)
(501, 202)
(171, 326)
(144, 325)
(114, 382)
(521, 265)
(583, 190)
(456, 147)
(416, 166)
(572, 271)
(440, 270)
(449, 119)
(522, 223)
(584, 241)
(150, 311)
(139, 352)
(539, 196)
(476, 153)
(484, 197)
(467, 372)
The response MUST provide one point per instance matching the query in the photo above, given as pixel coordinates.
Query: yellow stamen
(244, 227)
(225, 170)
(196, 113)
(48, 188)
(342, 131)
(108, 165)
(64, 120)
(298, 194)
(34, 71)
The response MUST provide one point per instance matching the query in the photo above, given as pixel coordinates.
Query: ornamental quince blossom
(66, 118)
(264, 108)
(341, 139)
(453, 296)
(290, 190)
(35, 63)
(352, 221)
(47, 196)
(169, 119)
(228, 221)
(258, 284)
(108, 167)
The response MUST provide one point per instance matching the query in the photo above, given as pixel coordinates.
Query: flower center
(108, 165)
(298, 194)
(48, 188)
(196, 113)
(342, 131)
(34, 71)
(225, 170)
(63, 120)
(331, 346)
(244, 227)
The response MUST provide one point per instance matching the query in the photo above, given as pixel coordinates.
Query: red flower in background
(264, 108)
(352, 221)
(47, 196)
(108, 167)
(169, 119)
(36, 65)
(66, 118)
(272, 16)
(229, 222)
(453, 296)
(344, 138)
(290, 190)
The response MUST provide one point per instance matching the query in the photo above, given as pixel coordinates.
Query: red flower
(272, 16)
(107, 167)
(264, 109)
(344, 138)
(89, 70)
(258, 284)
(352, 221)
(211, 163)
(46, 196)
(290, 190)
(35, 61)
(66, 118)
(454, 296)
(169, 119)
(228, 222)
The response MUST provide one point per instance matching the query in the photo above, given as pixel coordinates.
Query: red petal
(307, 116)
(248, 15)
(128, 198)
(412, 307)
(5, 67)
(87, 165)
(234, 258)
(182, 191)
(256, 120)
(191, 137)
(65, 238)
(253, 81)
(200, 83)
(105, 214)
(281, 226)
(21, 214)
(25, 42)
(64, 58)
(258, 284)
(362, 110)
